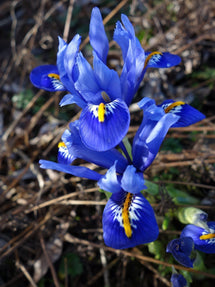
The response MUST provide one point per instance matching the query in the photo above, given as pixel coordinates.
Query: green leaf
(157, 249)
(107, 193)
(152, 188)
(70, 264)
(181, 197)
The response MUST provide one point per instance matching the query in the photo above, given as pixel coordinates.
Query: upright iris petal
(47, 77)
(98, 38)
(66, 60)
(110, 181)
(128, 220)
(136, 61)
(204, 239)
(151, 133)
(181, 250)
(132, 181)
(133, 56)
(188, 115)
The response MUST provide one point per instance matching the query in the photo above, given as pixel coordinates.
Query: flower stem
(123, 148)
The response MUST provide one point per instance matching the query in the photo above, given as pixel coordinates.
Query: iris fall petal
(103, 134)
(188, 115)
(47, 77)
(204, 240)
(128, 220)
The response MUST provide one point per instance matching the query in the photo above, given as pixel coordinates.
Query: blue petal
(77, 149)
(109, 182)
(86, 84)
(73, 99)
(150, 134)
(133, 56)
(128, 26)
(103, 135)
(181, 250)
(70, 55)
(107, 79)
(98, 38)
(178, 280)
(121, 36)
(62, 46)
(161, 60)
(47, 77)
(142, 222)
(188, 115)
(66, 58)
(204, 240)
(79, 171)
(132, 181)
(64, 156)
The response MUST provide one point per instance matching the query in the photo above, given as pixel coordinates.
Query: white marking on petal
(210, 240)
(134, 214)
(174, 110)
(109, 108)
(155, 59)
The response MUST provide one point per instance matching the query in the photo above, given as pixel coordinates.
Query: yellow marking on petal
(101, 112)
(54, 76)
(207, 236)
(150, 56)
(61, 144)
(173, 105)
(125, 215)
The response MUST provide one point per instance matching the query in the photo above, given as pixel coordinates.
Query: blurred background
(50, 222)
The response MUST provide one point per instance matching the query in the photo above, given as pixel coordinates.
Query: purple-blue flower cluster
(97, 137)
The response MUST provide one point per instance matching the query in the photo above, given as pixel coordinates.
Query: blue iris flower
(178, 280)
(136, 60)
(203, 238)
(128, 218)
(193, 238)
(181, 250)
(103, 95)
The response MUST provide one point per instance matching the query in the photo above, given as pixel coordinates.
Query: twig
(68, 20)
(100, 273)
(17, 120)
(54, 275)
(25, 271)
(59, 199)
(23, 236)
(13, 29)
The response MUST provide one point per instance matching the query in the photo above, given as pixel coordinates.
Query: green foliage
(181, 197)
(205, 74)
(157, 248)
(152, 188)
(166, 221)
(22, 99)
(172, 144)
(107, 193)
(70, 264)
(178, 196)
